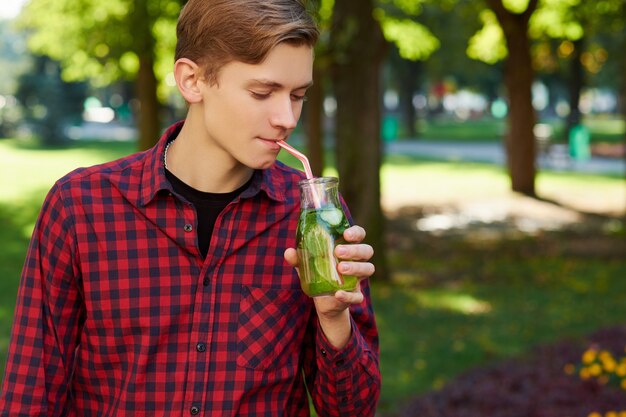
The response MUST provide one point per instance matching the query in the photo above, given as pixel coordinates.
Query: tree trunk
(576, 82)
(146, 84)
(149, 117)
(358, 52)
(518, 78)
(408, 76)
(315, 140)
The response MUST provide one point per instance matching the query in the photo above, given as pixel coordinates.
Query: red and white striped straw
(307, 168)
(299, 155)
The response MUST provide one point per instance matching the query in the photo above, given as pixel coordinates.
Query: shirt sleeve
(47, 319)
(346, 382)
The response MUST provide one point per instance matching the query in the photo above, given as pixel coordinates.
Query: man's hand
(333, 311)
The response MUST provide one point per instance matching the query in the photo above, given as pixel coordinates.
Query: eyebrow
(274, 84)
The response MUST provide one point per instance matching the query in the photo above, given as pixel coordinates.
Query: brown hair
(213, 33)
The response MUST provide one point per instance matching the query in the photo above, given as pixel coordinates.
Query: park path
(492, 152)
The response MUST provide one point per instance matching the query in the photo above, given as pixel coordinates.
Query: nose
(285, 114)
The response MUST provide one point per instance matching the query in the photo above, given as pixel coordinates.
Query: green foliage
(97, 40)
(414, 41)
(556, 19)
(487, 44)
(49, 102)
(515, 6)
(407, 7)
(13, 59)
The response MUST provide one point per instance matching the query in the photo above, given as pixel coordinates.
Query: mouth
(271, 143)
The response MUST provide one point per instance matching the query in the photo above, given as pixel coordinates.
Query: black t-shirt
(208, 206)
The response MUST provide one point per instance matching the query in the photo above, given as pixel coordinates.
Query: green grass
(493, 303)
(601, 129)
(454, 303)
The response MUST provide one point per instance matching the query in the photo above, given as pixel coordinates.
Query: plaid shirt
(119, 315)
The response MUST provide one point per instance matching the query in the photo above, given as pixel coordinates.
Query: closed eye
(260, 96)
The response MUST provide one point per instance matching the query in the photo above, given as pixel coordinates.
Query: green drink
(320, 228)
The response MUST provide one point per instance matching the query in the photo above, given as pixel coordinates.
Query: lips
(272, 143)
(272, 139)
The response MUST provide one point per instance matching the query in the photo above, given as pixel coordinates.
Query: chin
(263, 164)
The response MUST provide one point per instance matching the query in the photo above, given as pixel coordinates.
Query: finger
(353, 297)
(354, 234)
(358, 269)
(291, 256)
(355, 252)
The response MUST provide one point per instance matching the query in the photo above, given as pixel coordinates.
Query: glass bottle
(320, 228)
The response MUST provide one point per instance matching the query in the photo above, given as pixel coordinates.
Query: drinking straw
(316, 200)
(299, 155)
(307, 168)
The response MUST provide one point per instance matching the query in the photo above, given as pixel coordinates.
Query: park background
(481, 144)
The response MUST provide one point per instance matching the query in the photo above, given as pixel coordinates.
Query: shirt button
(188, 227)
(194, 410)
(201, 347)
(323, 352)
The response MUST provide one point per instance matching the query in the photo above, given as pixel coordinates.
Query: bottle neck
(319, 193)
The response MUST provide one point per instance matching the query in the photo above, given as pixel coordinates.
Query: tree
(358, 51)
(412, 43)
(519, 21)
(50, 102)
(107, 41)
(313, 119)
(518, 79)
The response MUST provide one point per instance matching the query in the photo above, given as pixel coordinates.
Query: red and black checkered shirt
(118, 314)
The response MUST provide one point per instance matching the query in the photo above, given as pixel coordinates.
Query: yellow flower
(569, 369)
(621, 370)
(594, 414)
(584, 373)
(610, 414)
(609, 365)
(595, 370)
(623, 385)
(622, 414)
(604, 355)
(589, 356)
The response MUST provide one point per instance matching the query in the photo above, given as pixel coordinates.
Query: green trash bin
(579, 143)
(389, 128)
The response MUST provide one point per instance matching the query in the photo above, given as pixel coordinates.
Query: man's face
(253, 106)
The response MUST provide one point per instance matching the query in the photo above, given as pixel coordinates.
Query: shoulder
(109, 170)
(89, 184)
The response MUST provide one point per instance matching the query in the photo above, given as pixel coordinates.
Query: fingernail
(341, 251)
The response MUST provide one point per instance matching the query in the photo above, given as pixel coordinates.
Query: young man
(164, 284)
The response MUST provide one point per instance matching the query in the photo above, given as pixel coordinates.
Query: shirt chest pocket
(272, 323)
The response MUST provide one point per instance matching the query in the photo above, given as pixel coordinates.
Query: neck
(197, 162)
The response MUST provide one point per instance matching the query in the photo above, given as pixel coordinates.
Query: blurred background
(480, 143)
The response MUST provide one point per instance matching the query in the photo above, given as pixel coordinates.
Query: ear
(188, 76)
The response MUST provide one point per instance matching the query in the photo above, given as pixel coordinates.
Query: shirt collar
(271, 181)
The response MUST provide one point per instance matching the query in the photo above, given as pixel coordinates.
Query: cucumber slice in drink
(316, 240)
(332, 216)
(322, 268)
